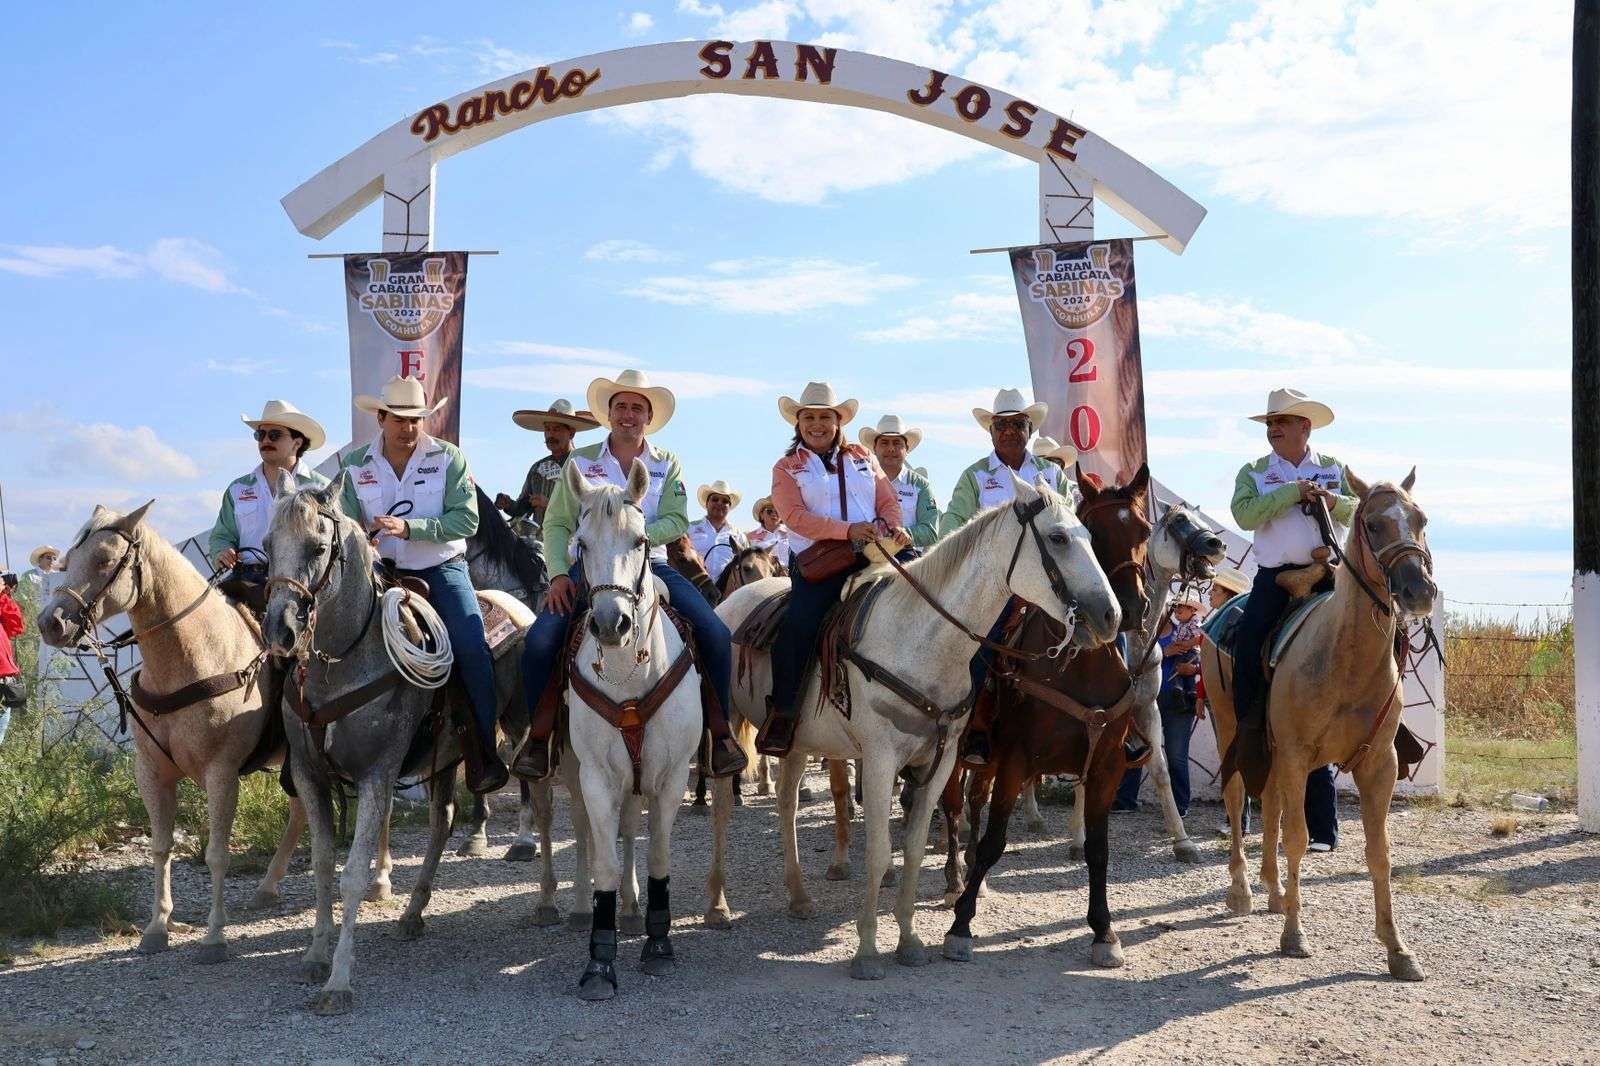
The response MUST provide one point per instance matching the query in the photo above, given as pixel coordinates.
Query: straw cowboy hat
(601, 391)
(818, 395)
(403, 397)
(283, 413)
(1295, 402)
(1011, 402)
(1189, 597)
(39, 552)
(1046, 448)
(891, 426)
(720, 488)
(761, 505)
(1232, 580)
(560, 414)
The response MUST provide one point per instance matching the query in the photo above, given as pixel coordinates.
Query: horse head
(752, 564)
(1185, 546)
(308, 548)
(1389, 543)
(1053, 565)
(614, 553)
(101, 580)
(1120, 534)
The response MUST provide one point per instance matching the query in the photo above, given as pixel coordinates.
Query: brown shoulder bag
(829, 558)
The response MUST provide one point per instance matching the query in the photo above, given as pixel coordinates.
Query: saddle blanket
(1223, 625)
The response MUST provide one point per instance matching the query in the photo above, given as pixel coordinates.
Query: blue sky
(1387, 230)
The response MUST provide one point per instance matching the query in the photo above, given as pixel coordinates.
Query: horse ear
(1411, 479)
(1086, 485)
(331, 494)
(285, 483)
(1360, 487)
(1140, 485)
(130, 521)
(99, 509)
(638, 481)
(577, 484)
(1025, 491)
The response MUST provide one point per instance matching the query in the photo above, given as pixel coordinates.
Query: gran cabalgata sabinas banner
(406, 312)
(1081, 321)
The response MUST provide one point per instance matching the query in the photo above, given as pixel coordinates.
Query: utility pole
(1586, 402)
(5, 534)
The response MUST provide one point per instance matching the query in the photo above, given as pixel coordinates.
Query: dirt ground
(1508, 929)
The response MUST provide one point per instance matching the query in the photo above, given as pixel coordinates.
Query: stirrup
(712, 767)
(536, 759)
(976, 753)
(778, 747)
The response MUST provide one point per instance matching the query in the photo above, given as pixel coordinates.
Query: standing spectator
(1180, 665)
(13, 690)
(42, 560)
(559, 425)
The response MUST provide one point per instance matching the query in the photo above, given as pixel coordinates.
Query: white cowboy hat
(560, 414)
(761, 505)
(403, 397)
(1011, 402)
(891, 426)
(721, 488)
(1046, 448)
(33, 556)
(817, 395)
(601, 390)
(1189, 597)
(1295, 402)
(285, 414)
(1231, 579)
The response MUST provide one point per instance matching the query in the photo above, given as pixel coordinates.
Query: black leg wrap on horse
(656, 893)
(602, 941)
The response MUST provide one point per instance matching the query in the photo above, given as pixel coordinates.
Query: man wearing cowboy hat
(415, 494)
(892, 441)
(713, 538)
(1267, 499)
(559, 425)
(283, 435)
(42, 562)
(631, 409)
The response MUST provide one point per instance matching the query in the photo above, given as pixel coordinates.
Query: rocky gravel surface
(1508, 929)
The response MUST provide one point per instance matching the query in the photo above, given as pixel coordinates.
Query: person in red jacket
(12, 690)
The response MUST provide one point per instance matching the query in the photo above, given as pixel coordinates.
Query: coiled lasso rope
(418, 665)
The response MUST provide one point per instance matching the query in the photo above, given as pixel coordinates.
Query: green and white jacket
(987, 483)
(665, 505)
(247, 507)
(1265, 499)
(439, 487)
(918, 509)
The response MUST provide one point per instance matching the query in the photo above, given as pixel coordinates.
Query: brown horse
(1067, 715)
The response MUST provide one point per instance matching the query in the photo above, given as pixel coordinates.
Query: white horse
(1034, 548)
(634, 719)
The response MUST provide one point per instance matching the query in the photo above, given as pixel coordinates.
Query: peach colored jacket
(812, 526)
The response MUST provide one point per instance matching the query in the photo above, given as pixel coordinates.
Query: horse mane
(500, 543)
(946, 556)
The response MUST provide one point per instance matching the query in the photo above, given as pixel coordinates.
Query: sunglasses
(1001, 424)
(274, 435)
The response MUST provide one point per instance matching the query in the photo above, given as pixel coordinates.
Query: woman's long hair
(833, 449)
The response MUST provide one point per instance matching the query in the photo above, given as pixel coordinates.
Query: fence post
(1586, 402)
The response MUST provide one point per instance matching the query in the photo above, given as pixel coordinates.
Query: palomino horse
(1336, 696)
(634, 717)
(916, 640)
(186, 632)
(1069, 715)
(323, 611)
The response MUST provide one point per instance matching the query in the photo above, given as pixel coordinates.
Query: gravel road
(1508, 929)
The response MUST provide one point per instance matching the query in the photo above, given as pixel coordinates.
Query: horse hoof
(596, 989)
(332, 1004)
(264, 900)
(153, 942)
(313, 972)
(411, 926)
(474, 847)
(630, 924)
(1403, 966)
(211, 954)
(579, 921)
(1274, 904)
(867, 969)
(958, 948)
(763, 789)
(546, 915)
(1185, 851)
(718, 918)
(522, 853)
(378, 892)
(1035, 825)
(1239, 901)
(1109, 956)
(839, 871)
(912, 954)
(802, 909)
(950, 898)
(657, 960)
(1293, 945)
(806, 795)
(738, 798)
(699, 808)
(1075, 853)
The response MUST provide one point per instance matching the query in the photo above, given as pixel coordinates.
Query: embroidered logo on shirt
(366, 477)
(248, 495)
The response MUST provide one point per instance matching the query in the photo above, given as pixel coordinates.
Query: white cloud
(190, 262)
(638, 24)
(773, 286)
(1238, 325)
(183, 260)
(626, 251)
(767, 20)
(64, 447)
(968, 316)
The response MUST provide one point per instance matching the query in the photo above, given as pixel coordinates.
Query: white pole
(1585, 402)
(1586, 660)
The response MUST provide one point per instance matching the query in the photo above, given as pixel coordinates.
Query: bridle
(635, 598)
(1139, 560)
(1387, 558)
(307, 595)
(89, 606)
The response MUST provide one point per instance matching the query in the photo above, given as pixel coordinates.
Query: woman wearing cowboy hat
(559, 425)
(817, 503)
(416, 496)
(283, 436)
(713, 537)
(1063, 455)
(892, 441)
(770, 532)
(631, 409)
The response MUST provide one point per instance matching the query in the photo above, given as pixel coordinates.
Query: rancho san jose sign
(1075, 165)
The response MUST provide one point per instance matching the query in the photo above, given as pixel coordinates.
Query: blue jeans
(5, 722)
(450, 592)
(1177, 724)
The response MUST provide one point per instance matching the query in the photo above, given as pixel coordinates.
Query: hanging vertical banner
(1081, 322)
(406, 313)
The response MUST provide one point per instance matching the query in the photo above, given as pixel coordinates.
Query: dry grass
(1503, 825)
(1510, 679)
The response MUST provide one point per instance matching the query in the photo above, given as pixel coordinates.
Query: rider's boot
(485, 772)
(535, 759)
(777, 732)
(726, 757)
(975, 750)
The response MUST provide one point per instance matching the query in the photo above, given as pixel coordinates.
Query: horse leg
(1106, 950)
(604, 801)
(540, 804)
(477, 843)
(979, 787)
(839, 786)
(1375, 779)
(1271, 829)
(1291, 782)
(790, 770)
(160, 795)
(953, 873)
(1030, 806)
(910, 951)
(523, 848)
(629, 920)
(222, 799)
(372, 815)
(877, 795)
(314, 964)
(441, 811)
(657, 959)
(1183, 848)
(718, 916)
(382, 886)
(582, 917)
(699, 804)
(985, 853)
(267, 891)
(1239, 881)
(1076, 823)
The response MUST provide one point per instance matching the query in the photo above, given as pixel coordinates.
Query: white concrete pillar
(1586, 684)
(408, 194)
(1066, 202)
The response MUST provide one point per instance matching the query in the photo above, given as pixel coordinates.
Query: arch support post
(1066, 202)
(408, 195)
